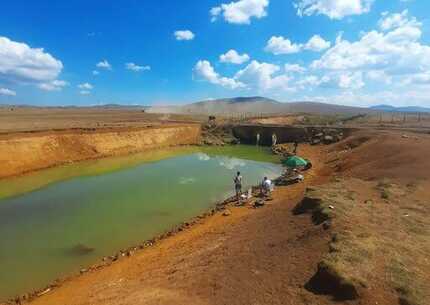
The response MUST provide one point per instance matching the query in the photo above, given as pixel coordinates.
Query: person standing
(296, 145)
(274, 139)
(266, 186)
(258, 139)
(238, 185)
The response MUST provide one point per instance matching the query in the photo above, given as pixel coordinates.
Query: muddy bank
(191, 267)
(25, 152)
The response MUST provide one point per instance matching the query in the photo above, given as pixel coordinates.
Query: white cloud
(7, 92)
(334, 9)
(184, 35)
(234, 58)
(351, 80)
(311, 81)
(86, 86)
(95, 72)
(204, 70)
(240, 12)
(280, 45)
(418, 79)
(84, 92)
(379, 76)
(317, 44)
(55, 85)
(263, 76)
(294, 68)
(104, 64)
(136, 68)
(392, 21)
(395, 52)
(19, 63)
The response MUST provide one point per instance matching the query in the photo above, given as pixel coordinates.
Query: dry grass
(373, 242)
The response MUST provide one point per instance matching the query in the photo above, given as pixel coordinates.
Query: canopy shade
(295, 161)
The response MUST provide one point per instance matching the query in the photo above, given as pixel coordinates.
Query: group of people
(266, 185)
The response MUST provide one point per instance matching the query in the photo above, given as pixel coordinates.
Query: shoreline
(107, 261)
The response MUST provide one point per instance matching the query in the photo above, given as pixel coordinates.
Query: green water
(108, 205)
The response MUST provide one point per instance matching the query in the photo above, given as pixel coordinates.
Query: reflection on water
(75, 220)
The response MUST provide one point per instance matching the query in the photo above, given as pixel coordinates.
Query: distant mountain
(256, 105)
(389, 108)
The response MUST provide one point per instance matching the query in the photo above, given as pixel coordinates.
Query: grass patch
(403, 282)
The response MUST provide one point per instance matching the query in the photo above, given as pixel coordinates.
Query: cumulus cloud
(86, 86)
(334, 9)
(263, 76)
(240, 12)
(351, 80)
(55, 85)
(317, 44)
(392, 21)
(395, 52)
(136, 68)
(84, 92)
(294, 68)
(418, 79)
(19, 63)
(379, 76)
(203, 70)
(95, 72)
(7, 92)
(234, 58)
(104, 64)
(279, 45)
(184, 35)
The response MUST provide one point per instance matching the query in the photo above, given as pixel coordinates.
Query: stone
(328, 139)
(226, 213)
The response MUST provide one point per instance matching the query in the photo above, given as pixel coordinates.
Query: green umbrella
(295, 161)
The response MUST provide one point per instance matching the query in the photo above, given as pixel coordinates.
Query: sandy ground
(32, 119)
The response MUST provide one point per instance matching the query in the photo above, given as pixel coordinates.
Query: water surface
(76, 214)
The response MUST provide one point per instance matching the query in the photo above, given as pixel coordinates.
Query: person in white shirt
(266, 185)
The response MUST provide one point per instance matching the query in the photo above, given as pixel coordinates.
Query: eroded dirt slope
(25, 152)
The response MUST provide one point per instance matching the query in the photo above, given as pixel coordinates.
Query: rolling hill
(256, 105)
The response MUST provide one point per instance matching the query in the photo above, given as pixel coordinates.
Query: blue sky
(353, 52)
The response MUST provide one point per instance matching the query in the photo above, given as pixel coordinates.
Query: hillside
(255, 105)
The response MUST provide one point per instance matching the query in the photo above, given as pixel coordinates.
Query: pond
(57, 221)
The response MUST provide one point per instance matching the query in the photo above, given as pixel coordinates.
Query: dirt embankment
(369, 235)
(28, 151)
(377, 210)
